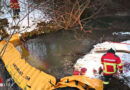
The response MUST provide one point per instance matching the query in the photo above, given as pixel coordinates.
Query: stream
(57, 52)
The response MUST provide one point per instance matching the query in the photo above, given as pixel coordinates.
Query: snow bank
(121, 33)
(35, 16)
(92, 61)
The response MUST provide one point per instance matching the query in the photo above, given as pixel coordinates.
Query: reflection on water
(56, 53)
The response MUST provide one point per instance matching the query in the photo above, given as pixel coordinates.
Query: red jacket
(14, 4)
(111, 63)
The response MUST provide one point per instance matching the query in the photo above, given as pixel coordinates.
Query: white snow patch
(92, 60)
(35, 16)
(121, 33)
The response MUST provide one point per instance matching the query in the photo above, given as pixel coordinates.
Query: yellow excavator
(30, 78)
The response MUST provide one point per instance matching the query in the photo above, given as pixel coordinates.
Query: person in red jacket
(16, 8)
(111, 63)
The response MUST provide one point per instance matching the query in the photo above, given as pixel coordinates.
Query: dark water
(114, 22)
(57, 52)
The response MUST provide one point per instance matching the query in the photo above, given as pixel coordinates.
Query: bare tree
(67, 14)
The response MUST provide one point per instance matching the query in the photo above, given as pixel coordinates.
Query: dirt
(116, 84)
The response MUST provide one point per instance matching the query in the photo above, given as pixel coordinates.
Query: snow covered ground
(92, 60)
(35, 16)
(121, 33)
